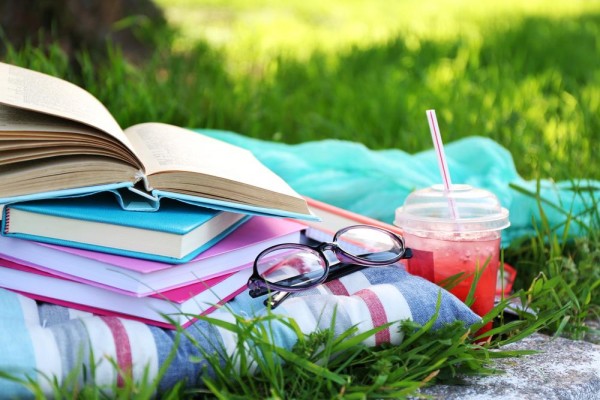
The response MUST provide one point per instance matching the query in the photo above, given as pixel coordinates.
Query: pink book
(181, 305)
(139, 277)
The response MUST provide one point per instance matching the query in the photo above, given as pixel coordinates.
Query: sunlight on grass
(254, 31)
(498, 51)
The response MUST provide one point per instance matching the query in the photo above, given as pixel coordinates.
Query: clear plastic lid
(462, 209)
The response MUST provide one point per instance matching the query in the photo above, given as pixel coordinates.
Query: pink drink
(453, 232)
(439, 260)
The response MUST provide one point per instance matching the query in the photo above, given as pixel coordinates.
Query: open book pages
(55, 136)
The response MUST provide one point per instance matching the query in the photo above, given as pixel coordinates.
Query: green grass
(525, 75)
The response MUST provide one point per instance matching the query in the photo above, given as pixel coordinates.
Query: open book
(56, 139)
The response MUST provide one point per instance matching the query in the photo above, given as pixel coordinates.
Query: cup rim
(484, 223)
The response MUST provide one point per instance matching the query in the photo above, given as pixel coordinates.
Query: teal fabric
(375, 183)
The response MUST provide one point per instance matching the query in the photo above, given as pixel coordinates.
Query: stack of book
(163, 268)
(153, 222)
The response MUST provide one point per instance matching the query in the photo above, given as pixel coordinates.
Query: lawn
(524, 74)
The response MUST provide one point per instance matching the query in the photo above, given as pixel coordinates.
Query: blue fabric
(374, 183)
(16, 349)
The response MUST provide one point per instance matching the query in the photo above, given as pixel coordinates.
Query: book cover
(143, 277)
(180, 305)
(176, 233)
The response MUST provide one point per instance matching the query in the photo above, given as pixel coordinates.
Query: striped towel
(40, 340)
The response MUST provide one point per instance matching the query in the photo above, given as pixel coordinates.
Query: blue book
(175, 233)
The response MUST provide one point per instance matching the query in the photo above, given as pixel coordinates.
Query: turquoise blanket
(375, 183)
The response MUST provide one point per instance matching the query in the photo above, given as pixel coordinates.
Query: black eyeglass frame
(259, 286)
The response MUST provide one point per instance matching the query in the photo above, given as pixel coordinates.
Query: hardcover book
(176, 233)
(166, 309)
(140, 277)
(56, 139)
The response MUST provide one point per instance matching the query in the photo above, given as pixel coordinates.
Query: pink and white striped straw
(436, 137)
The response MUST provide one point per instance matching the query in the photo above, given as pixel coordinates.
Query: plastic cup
(455, 235)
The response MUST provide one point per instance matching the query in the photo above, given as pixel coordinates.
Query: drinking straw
(436, 137)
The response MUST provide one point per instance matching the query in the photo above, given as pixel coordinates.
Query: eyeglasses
(292, 267)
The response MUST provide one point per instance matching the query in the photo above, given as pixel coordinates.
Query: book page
(31, 90)
(18, 119)
(166, 148)
(50, 174)
(22, 127)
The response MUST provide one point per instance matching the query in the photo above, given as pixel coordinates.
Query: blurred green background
(525, 74)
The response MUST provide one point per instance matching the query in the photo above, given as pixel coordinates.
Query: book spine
(6, 220)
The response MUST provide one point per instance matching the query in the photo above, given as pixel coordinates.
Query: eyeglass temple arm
(275, 299)
(259, 291)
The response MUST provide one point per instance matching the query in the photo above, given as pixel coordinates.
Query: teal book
(175, 233)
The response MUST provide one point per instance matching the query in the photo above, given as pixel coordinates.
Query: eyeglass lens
(291, 267)
(369, 244)
(302, 266)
